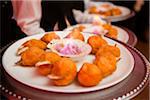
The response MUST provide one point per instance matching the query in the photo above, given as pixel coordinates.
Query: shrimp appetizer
(63, 72)
(96, 42)
(75, 34)
(49, 37)
(80, 28)
(31, 43)
(106, 63)
(45, 64)
(89, 75)
(112, 32)
(108, 49)
(31, 56)
(105, 10)
(116, 11)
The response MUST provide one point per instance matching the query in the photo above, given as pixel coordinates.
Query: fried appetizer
(31, 43)
(93, 10)
(107, 26)
(75, 34)
(113, 33)
(96, 42)
(108, 49)
(80, 28)
(107, 64)
(105, 10)
(116, 11)
(89, 75)
(107, 13)
(49, 37)
(45, 64)
(31, 56)
(63, 72)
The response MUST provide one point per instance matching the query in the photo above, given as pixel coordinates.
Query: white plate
(122, 34)
(29, 77)
(125, 12)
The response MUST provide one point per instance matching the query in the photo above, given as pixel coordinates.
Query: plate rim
(117, 17)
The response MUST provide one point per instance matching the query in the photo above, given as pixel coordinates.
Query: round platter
(128, 88)
(124, 34)
(126, 13)
(24, 74)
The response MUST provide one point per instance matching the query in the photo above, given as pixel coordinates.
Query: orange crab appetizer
(31, 43)
(49, 37)
(89, 75)
(113, 33)
(107, 64)
(63, 72)
(45, 64)
(75, 34)
(108, 49)
(107, 13)
(31, 56)
(107, 26)
(80, 28)
(93, 10)
(96, 42)
(116, 11)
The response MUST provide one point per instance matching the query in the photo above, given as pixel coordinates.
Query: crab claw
(118, 59)
(21, 49)
(40, 63)
(54, 77)
(18, 62)
(44, 67)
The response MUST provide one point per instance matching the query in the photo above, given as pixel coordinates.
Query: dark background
(9, 30)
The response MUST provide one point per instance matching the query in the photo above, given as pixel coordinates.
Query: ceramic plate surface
(125, 11)
(29, 77)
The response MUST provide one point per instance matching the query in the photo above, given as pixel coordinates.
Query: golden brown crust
(49, 37)
(89, 75)
(66, 69)
(31, 56)
(96, 42)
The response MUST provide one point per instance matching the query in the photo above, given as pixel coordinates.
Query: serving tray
(127, 89)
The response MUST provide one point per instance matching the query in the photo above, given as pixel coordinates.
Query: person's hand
(27, 14)
(138, 5)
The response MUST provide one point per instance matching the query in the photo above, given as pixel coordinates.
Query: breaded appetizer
(112, 32)
(63, 72)
(108, 49)
(93, 10)
(49, 37)
(106, 63)
(89, 75)
(75, 34)
(80, 28)
(116, 11)
(96, 42)
(31, 56)
(31, 43)
(45, 64)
